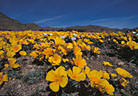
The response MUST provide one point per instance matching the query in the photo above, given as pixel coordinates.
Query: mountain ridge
(7, 23)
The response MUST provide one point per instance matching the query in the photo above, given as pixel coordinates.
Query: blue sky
(65, 13)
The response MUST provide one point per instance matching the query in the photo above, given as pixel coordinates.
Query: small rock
(19, 86)
(121, 63)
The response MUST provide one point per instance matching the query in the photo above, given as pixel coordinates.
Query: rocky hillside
(7, 23)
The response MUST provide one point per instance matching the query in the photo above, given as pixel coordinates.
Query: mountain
(91, 28)
(7, 23)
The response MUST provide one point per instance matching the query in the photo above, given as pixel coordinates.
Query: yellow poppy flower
(107, 64)
(113, 75)
(11, 60)
(101, 41)
(12, 63)
(47, 52)
(79, 61)
(3, 77)
(95, 77)
(109, 89)
(86, 40)
(63, 50)
(124, 82)
(123, 73)
(115, 41)
(24, 42)
(58, 78)
(105, 86)
(96, 50)
(122, 42)
(16, 48)
(23, 53)
(77, 51)
(1, 52)
(10, 54)
(105, 74)
(55, 60)
(87, 70)
(65, 60)
(69, 46)
(34, 54)
(6, 66)
(76, 74)
(132, 44)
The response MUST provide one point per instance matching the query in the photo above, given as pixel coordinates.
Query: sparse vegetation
(42, 63)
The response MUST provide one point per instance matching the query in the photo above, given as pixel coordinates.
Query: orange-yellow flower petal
(54, 86)
(123, 73)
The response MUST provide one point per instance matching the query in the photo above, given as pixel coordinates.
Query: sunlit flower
(34, 54)
(76, 74)
(25, 42)
(95, 77)
(77, 51)
(101, 41)
(58, 78)
(132, 44)
(65, 60)
(16, 48)
(10, 54)
(123, 73)
(1, 54)
(12, 63)
(23, 53)
(124, 82)
(107, 64)
(79, 61)
(6, 66)
(115, 41)
(105, 75)
(110, 89)
(96, 50)
(113, 75)
(87, 70)
(59, 41)
(86, 40)
(63, 50)
(90, 42)
(48, 52)
(69, 46)
(3, 77)
(105, 86)
(122, 42)
(11, 60)
(55, 60)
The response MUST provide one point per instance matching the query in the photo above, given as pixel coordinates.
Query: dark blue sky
(63, 13)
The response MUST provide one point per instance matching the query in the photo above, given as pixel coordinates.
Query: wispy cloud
(116, 22)
(112, 19)
(48, 19)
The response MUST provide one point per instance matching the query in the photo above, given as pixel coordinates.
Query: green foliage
(33, 77)
(14, 74)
